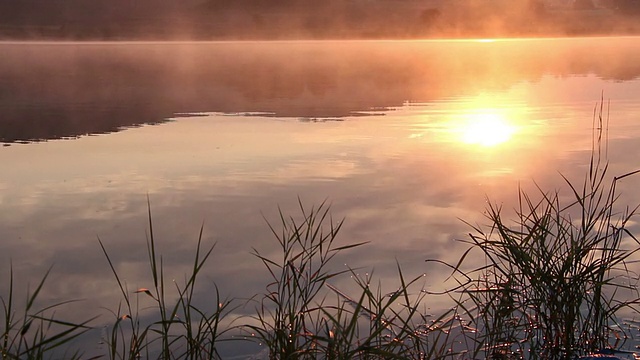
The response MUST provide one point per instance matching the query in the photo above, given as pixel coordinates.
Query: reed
(303, 316)
(379, 325)
(282, 314)
(552, 276)
(550, 288)
(181, 330)
(36, 332)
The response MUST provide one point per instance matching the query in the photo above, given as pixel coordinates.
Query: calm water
(404, 139)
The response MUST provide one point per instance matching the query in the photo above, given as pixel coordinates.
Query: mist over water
(51, 90)
(404, 139)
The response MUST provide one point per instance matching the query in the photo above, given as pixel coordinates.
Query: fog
(306, 19)
(53, 90)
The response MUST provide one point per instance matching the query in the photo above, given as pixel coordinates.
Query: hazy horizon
(305, 19)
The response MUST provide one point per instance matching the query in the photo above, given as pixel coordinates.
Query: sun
(486, 129)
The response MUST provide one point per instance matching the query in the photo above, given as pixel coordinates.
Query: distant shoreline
(5, 38)
(329, 20)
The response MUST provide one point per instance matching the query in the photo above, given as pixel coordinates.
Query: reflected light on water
(488, 121)
(486, 128)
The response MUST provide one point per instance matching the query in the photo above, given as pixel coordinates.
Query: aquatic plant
(552, 279)
(181, 330)
(378, 325)
(283, 312)
(37, 331)
(551, 287)
(296, 319)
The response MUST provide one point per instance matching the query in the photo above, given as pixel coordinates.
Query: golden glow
(486, 128)
(486, 121)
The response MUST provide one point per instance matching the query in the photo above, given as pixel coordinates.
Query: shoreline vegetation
(306, 19)
(550, 288)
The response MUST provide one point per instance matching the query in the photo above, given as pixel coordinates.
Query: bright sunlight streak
(486, 129)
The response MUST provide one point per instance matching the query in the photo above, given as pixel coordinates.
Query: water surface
(404, 139)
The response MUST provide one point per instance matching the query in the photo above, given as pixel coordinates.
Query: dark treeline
(287, 19)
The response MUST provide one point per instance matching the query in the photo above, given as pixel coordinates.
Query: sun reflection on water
(486, 40)
(486, 128)
(488, 121)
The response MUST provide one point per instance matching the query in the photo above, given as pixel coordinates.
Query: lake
(406, 140)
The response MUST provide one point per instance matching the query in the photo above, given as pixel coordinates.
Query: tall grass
(283, 316)
(181, 330)
(550, 287)
(379, 325)
(296, 318)
(29, 332)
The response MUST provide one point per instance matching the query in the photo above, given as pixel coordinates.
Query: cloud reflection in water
(402, 177)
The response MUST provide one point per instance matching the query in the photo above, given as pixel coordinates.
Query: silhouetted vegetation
(552, 283)
(551, 287)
